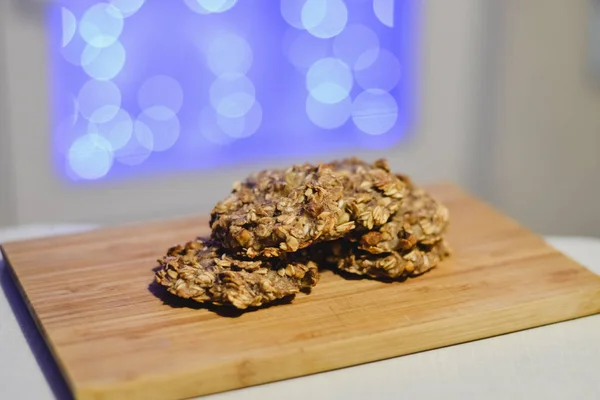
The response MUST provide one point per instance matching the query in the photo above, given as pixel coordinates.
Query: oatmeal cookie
(200, 271)
(274, 212)
(392, 265)
(421, 219)
(372, 192)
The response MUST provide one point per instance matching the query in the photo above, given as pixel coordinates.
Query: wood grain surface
(115, 335)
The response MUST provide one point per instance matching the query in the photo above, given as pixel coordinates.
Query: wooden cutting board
(116, 336)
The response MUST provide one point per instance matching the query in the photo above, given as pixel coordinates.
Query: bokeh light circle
(232, 95)
(165, 131)
(75, 110)
(384, 11)
(90, 157)
(324, 18)
(69, 26)
(217, 6)
(99, 101)
(73, 50)
(374, 111)
(210, 129)
(384, 73)
(291, 11)
(243, 126)
(304, 49)
(160, 96)
(357, 46)
(196, 7)
(127, 7)
(328, 116)
(66, 132)
(103, 63)
(210, 6)
(228, 54)
(139, 146)
(70, 109)
(101, 25)
(117, 131)
(329, 80)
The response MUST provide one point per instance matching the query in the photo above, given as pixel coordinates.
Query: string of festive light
(197, 83)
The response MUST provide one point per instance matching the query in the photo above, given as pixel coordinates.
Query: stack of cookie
(276, 229)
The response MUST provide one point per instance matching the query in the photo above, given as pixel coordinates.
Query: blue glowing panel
(140, 87)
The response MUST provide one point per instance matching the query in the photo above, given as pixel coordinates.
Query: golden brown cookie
(274, 212)
(391, 265)
(201, 272)
(371, 191)
(421, 220)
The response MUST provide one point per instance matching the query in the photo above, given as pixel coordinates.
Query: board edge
(12, 272)
(245, 372)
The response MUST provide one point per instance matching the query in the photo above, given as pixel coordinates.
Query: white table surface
(559, 361)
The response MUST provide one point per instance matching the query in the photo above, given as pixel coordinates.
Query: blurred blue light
(139, 146)
(329, 80)
(117, 131)
(196, 7)
(384, 10)
(217, 6)
(328, 116)
(210, 129)
(229, 54)
(165, 131)
(101, 25)
(291, 11)
(72, 49)
(210, 6)
(324, 18)
(66, 132)
(160, 97)
(374, 111)
(90, 157)
(127, 7)
(304, 49)
(150, 87)
(244, 125)
(383, 73)
(357, 46)
(72, 110)
(232, 95)
(99, 101)
(103, 63)
(69, 26)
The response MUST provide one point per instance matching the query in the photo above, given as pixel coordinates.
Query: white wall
(546, 164)
(7, 209)
(452, 35)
